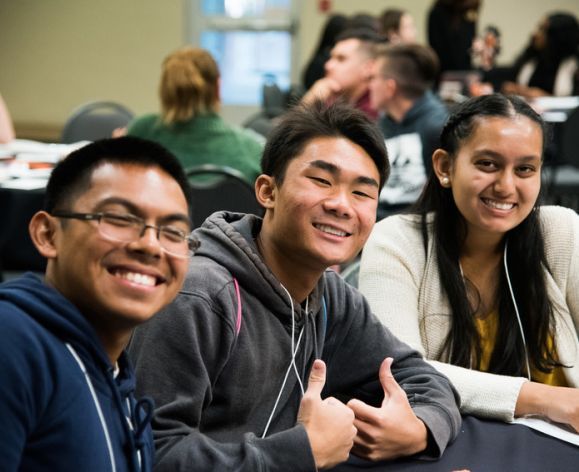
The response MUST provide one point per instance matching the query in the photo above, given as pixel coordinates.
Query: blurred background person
(397, 26)
(6, 126)
(348, 71)
(189, 124)
(550, 62)
(486, 48)
(315, 68)
(452, 27)
(411, 119)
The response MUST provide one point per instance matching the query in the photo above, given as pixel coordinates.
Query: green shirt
(205, 139)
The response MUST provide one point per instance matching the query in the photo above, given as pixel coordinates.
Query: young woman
(397, 26)
(189, 124)
(480, 279)
(549, 65)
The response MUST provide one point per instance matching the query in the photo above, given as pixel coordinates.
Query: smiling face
(118, 285)
(495, 177)
(324, 210)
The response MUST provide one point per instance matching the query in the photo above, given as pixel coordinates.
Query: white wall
(58, 54)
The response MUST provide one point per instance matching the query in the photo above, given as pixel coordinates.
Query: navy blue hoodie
(61, 406)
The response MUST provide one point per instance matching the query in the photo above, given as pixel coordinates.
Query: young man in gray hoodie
(266, 360)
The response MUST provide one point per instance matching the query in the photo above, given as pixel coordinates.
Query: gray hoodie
(215, 360)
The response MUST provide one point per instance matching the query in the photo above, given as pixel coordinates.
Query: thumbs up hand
(391, 431)
(328, 422)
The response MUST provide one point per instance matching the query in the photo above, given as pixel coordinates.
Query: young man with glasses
(115, 233)
(237, 364)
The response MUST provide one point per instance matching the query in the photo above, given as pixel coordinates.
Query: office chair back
(215, 188)
(95, 120)
(570, 139)
(561, 178)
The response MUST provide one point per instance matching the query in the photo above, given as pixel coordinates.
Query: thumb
(387, 380)
(317, 378)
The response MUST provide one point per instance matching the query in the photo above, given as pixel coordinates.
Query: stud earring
(444, 181)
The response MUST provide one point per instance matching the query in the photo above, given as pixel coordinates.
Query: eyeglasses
(128, 228)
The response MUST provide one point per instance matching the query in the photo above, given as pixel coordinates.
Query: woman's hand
(560, 404)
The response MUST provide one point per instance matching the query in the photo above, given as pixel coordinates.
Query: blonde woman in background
(189, 124)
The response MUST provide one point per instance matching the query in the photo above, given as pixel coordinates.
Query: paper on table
(556, 103)
(35, 151)
(24, 184)
(545, 426)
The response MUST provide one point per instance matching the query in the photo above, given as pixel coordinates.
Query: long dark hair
(562, 41)
(526, 260)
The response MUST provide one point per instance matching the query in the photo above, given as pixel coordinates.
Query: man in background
(411, 119)
(348, 71)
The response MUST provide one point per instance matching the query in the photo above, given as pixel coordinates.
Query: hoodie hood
(229, 240)
(55, 313)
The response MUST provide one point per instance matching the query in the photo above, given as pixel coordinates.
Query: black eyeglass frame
(192, 242)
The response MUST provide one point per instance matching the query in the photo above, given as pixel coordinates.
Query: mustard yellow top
(487, 328)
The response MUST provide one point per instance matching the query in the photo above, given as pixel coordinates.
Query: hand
(322, 89)
(560, 404)
(522, 90)
(119, 132)
(329, 423)
(391, 431)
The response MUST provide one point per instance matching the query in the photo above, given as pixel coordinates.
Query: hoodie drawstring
(96, 404)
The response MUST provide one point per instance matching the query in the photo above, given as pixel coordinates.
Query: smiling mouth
(331, 230)
(136, 277)
(496, 205)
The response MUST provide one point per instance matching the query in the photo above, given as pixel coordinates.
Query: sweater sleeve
(356, 345)
(391, 276)
(178, 356)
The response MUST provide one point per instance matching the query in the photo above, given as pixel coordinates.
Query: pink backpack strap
(238, 294)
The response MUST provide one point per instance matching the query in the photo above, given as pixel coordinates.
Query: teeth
(141, 279)
(330, 230)
(498, 205)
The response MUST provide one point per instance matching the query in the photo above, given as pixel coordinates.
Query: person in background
(6, 126)
(452, 27)
(479, 277)
(550, 63)
(115, 233)
(259, 312)
(189, 124)
(486, 48)
(411, 118)
(348, 71)
(314, 71)
(397, 26)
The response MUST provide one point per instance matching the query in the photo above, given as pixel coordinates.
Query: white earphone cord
(294, 349)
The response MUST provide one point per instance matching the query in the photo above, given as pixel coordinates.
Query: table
(487, 446)
(24, 170)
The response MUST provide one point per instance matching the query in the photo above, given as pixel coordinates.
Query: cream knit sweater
(403, 287)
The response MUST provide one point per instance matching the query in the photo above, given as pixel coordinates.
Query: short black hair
(414, 67)
(305, 122)
(71, 176)
(367, 36)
